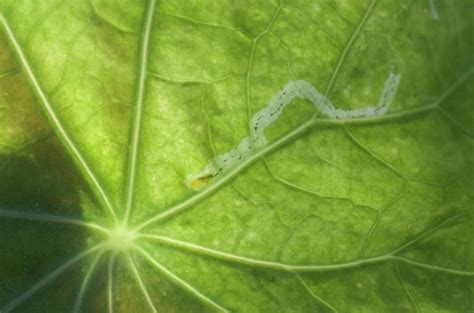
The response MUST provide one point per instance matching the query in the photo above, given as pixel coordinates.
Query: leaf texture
(107, 106)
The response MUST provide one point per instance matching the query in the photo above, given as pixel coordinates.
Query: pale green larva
(266, 116)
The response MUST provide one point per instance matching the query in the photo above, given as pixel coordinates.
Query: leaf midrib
(392, 255)
(136, 128)
(56, 122)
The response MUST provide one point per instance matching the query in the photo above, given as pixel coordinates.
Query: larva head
(199, 180)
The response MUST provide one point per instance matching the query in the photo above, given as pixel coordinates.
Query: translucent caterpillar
(269, 114)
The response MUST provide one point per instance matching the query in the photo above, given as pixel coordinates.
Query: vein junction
(269, 114)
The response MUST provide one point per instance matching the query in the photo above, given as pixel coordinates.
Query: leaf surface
(107, 106)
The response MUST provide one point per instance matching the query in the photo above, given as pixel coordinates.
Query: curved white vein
(50, 218)
(110, 283)
(141, 283)
(180, 281)
(138, 114)
(85, 283)
(390, 256)
(59, 127)
(315, 296)
(350, 43)
(435, 268)
(262, 263)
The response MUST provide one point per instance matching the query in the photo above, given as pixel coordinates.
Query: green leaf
(106, 107)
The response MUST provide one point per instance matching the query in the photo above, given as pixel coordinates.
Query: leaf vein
(315, 296)
(140, 281)
(54, 119)
(47, 279)
(349, 45)
(136, 128)
(183, 284)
